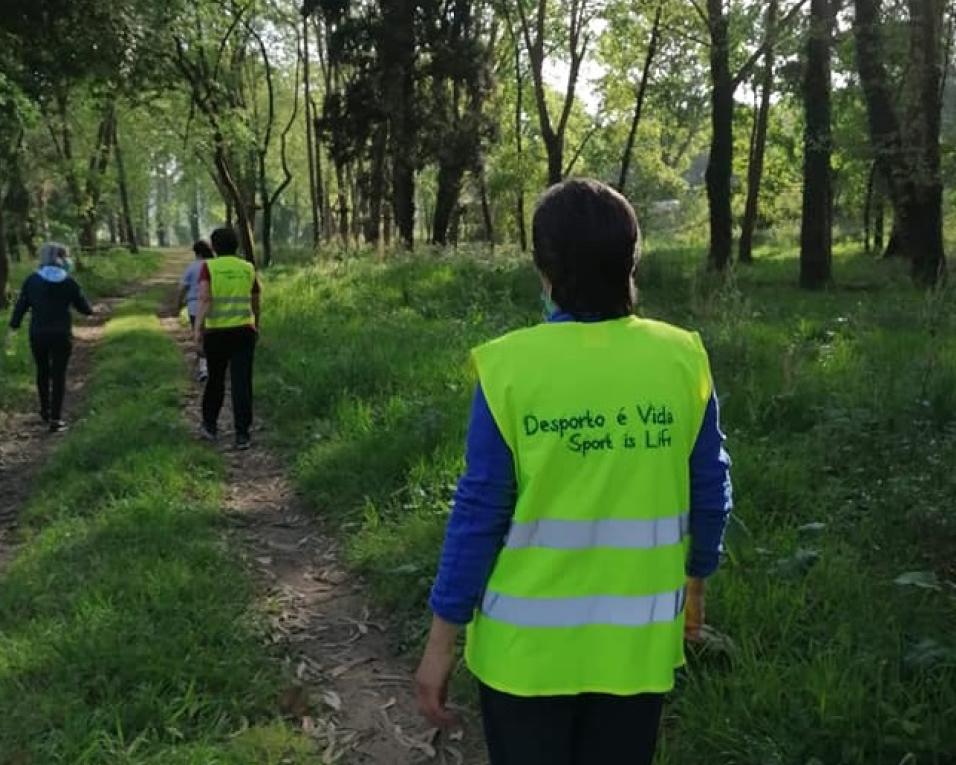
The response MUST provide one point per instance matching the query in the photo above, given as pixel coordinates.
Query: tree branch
(751, 62)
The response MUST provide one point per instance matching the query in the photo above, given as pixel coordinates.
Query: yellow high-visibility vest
(587, 593)
(231, 280)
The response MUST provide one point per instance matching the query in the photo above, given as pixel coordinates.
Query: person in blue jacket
(49, 293)
(571, 234)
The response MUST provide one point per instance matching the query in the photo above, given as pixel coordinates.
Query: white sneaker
(202, 373)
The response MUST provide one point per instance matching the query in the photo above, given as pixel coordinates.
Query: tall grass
(840, 408)
(127, 633)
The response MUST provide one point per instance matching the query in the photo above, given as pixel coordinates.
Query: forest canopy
(347, 123)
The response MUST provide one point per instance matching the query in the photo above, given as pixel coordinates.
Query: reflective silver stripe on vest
(577, 535)
(613, 610)
(228, 313)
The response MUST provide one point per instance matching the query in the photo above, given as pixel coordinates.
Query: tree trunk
(720, 163)
(641, 93)
(4, 257)
(235, 203)
(911, 163)
(121, 181)
(400, 64)
(142, 227)
(376, 191)
(266, 201)
(309, 136)
(343, 205)
(98, 163)
(519, 143)
(816, 252)
(195, 216)
(162, 202)
(925, 237)
(758, 149)
(868, 205)
(450, 175)
(486, 207)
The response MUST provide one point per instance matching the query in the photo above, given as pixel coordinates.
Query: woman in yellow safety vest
(592, 507)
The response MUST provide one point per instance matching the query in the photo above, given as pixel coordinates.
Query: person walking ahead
(49, 293)
(189, 297)
(592, 506)
(227, 326)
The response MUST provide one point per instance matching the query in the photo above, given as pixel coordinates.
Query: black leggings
(588, 729)
(51, 354)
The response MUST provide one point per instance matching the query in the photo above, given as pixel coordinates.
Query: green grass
(127, 627)
(101, 275)
(840, 408)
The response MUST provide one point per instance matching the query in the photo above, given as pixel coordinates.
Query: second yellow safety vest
(231, 282)
(587, 593)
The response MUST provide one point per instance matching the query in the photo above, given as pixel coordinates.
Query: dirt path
(25, 443)
(349, 691)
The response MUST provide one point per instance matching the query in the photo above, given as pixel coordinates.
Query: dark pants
(233, 349)
(51, 354)
(588, 729)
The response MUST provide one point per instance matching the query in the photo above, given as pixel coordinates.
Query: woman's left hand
(434, 673)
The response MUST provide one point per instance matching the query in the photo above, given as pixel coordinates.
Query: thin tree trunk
(162, 201)
(121, 180)
(641, 93)
(142, 228)
(486, 207)
(342, 203)
(869, 207)
(376, 184)
(879, 220)
(314, 169)
(816, 254)
(720, 163)
(4, 257)
(195, 216)
(519, 143)
(759, 145)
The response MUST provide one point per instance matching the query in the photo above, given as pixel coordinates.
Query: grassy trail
(347, 690)
(128, 630)
(24, 446)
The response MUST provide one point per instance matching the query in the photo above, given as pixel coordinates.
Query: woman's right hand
(434, 673)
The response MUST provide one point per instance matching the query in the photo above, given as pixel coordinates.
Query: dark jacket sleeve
(80, 303)
(20, 309)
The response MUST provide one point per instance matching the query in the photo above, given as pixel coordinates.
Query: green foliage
(840, 409)
(126, 628)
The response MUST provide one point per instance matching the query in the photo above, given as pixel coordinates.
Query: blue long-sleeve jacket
(484, 504)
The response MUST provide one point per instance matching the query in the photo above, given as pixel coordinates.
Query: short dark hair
(201, 249)
(224, 241)
(585, 243)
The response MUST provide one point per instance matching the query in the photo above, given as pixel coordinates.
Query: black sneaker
(207, 433)
(243, 441)
(44, 418)
(57, 426)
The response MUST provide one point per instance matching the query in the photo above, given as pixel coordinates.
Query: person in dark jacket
(49, 293)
